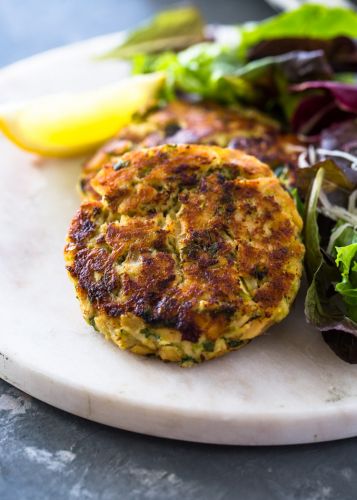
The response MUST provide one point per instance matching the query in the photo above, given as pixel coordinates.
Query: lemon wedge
(70, 124)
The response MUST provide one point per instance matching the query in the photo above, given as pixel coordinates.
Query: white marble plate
(285, 387)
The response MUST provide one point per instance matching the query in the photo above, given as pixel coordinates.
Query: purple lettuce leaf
(343, 344)
(341, 136)
(340, 51)
(325, 103)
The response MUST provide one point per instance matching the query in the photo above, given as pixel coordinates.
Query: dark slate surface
(46, 453)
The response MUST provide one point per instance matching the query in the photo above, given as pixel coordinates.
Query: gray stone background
(48, 454)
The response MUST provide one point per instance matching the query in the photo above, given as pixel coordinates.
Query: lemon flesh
(70, 124)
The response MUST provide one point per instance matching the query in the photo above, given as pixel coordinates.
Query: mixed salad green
(300, 67)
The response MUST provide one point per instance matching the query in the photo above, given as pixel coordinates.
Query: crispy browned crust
(200, 240)
(202, 123)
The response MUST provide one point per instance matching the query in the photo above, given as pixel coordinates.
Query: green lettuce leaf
(347, 261)
(324, 308)
(325, 305)
(309, 20)
(214, 71)
(335, 175)
(170, 29)
(343, 234)
(202, 69)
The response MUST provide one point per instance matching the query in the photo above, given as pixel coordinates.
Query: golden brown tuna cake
(204, 123)
(191, 252)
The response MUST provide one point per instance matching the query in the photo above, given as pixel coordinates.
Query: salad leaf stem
(313, 255)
